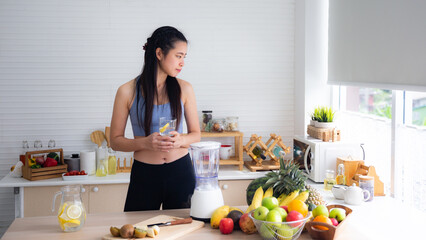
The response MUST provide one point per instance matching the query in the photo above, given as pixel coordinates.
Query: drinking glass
(167, 125)
(51, 144)
(38, 144)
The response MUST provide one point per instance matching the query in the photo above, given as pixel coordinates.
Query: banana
(250, 208)
(303, 196)
(281, 197)
(257, 198)
(218, 214)
(269, 192)
(289, 198)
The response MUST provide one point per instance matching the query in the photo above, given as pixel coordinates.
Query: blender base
(203, 203)
(206, 220)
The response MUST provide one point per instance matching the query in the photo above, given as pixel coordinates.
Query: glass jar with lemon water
(71, 211)
(112, 162)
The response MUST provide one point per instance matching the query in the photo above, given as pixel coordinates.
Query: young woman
(162, 172)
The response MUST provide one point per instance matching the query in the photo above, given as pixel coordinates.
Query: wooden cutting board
(166, 232)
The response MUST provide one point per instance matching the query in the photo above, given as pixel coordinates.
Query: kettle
(355, 195)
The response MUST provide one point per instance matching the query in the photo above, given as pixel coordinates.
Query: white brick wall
(62, 61)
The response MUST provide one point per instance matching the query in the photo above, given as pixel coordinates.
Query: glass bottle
(112, 162)
(341, 178)
(329, 180)
(101, 162)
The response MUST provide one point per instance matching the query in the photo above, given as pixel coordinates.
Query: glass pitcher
(71, 212)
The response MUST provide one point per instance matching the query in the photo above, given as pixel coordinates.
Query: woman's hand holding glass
(176, 139)
(159, 143)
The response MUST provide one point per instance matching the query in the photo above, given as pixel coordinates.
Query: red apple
(226, 225)
(285, 207)
(247, 224)
(294, 216)
(334, 221)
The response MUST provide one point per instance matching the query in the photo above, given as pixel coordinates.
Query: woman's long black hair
(146, 83)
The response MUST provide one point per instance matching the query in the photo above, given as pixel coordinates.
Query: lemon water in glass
(167, 125)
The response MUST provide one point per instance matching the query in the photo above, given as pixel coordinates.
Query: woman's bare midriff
(156, 157)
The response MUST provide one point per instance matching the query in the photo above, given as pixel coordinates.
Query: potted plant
(325, 118)
(315, 115)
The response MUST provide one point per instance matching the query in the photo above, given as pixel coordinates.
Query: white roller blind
(378, 43)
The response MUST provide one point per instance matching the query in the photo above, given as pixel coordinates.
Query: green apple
(284, 232)
(274, 216)
(283, 213)
(338, 213)
(270, 202)
(260, 213)
(320, 210)
(267, 231)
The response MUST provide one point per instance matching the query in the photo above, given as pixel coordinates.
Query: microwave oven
(315, 156)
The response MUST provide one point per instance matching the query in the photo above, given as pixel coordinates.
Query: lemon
(72, 223)
(74, 211)
(62, 222)
(164, 128)
(63, 209)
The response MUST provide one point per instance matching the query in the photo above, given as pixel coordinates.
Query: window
(415, 108)
(374, 117)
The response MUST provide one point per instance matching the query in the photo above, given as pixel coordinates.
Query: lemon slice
(63, 209)
(74, 211)
(72, 223)
(164, 128)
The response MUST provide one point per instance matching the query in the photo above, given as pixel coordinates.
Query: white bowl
(339, 191)
(324, 124)
(74, 177)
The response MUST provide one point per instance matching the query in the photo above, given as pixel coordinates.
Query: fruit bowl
(330, 232)
(279, 230)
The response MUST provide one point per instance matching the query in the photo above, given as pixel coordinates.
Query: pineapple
(287, 179)
(314, 196)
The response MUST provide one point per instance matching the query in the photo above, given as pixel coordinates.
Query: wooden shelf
(238, 138)
(221, 134)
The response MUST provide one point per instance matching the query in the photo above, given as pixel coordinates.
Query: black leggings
(171, 184)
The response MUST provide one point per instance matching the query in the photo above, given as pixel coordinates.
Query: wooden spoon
(97, 137)
(107, 136)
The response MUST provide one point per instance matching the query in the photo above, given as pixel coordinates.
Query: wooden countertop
(383, 218)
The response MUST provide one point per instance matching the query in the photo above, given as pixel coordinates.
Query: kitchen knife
(170, 223)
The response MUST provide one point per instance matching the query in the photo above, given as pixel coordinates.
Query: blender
(207, 194)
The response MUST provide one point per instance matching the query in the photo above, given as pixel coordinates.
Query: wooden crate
(325, 134)
(47, 172)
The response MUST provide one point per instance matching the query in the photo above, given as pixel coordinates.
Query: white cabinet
(97, 198)
(234, 191)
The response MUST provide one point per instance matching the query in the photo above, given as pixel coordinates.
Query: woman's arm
(122, 104)
(191, 117)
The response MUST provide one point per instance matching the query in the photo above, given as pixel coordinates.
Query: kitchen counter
(225, 173)
(27, 193)
(383, 218)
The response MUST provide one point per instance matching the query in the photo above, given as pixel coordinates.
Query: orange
(322, 219)
(299, 206)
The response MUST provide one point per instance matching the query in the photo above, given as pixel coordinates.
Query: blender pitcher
(71, 212)
(207, 194)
